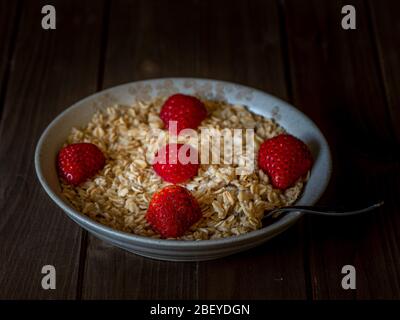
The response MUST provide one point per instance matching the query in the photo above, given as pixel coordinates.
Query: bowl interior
(257, 101)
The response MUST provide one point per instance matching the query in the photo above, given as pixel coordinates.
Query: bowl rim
(90, 224)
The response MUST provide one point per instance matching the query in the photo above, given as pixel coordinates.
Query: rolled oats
(119, 195)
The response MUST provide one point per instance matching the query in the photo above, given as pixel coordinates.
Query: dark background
(347, 81)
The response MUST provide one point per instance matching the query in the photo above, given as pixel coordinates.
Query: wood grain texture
(336, 81)
(9, 21)
(346, 81)
(236, 41)
(386, 30)
(51, 70)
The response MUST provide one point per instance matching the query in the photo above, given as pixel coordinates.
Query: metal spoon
(320, 211)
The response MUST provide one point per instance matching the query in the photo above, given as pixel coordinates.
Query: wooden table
(347, 81)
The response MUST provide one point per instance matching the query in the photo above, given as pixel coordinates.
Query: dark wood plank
(336, 80)
(51, 70)
(9, 21)
(386, 29)
(231, 40)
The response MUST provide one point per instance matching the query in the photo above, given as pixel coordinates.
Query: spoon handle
(322, 211)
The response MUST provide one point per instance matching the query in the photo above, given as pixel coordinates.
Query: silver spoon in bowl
(319, 211)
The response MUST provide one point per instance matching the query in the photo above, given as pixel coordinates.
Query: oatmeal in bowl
(182, 165)
(120, 194)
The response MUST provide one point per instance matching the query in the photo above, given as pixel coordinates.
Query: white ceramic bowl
(259, 102)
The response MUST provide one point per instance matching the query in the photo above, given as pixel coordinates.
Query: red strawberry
(285, 159)
(187, 111)
(176, 163)
(172, 211)
(79, 162)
